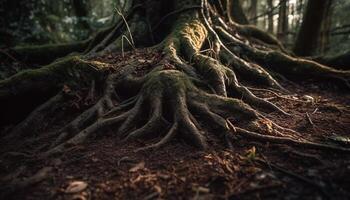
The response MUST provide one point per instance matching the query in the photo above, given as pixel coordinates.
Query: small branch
(127, 26)
(309, 119)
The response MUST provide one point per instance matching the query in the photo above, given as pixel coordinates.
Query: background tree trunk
(270, 16)
(80, 8)
(252, 11)
(282, 28)
(326, 28)
(307, 38)
(235, 12)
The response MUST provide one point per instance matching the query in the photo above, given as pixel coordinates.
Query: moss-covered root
(27, 89)
(169, 89)
(244, 69)
(283, 63)
(252, 32)
(45, 54)
(187, 40)
(167, 100)
(224, 82)
(339, 61)
(176, 91)
(48, 78)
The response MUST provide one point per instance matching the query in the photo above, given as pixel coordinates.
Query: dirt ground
(110, 170)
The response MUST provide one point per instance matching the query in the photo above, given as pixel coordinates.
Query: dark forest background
(51, 21)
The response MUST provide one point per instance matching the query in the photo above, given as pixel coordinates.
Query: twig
(126, 38)
(127, 26)
(309, 119)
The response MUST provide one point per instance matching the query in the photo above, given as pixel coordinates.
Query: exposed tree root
(340, 61)
(170, 89)
(283, 63)
(186, 95)
(18, 184)
(283, 140)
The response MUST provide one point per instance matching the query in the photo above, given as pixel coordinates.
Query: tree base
(188, 86)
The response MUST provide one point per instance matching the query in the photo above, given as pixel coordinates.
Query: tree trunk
(81, 11)
(235, 12)
(282, 28)
(185, 86)
(308, 35)
(326, 28)
(252, 12)
(270, 17)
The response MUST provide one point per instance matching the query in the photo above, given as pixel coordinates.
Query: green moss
(187, 37)
(71, 70)
(171, 82)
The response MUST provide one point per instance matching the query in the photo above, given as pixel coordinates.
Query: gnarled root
(168, 100)
(186, 95)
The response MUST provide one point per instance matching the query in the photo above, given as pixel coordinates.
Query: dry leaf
(158, 189)
(66, 89)
(76, 186)
(201, 189)
(309, 98)
(137, 167)
(78, 197)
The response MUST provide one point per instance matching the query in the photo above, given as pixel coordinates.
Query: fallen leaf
(309, 98)
(251, 153)
(142, 60)
(78, 197)
(137, 167)
(76, 186)
(158, 188)
(66, 89)
(201, 189)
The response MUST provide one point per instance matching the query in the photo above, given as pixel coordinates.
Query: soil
(253, 170)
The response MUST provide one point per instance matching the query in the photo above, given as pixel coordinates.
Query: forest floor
(109, 170)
